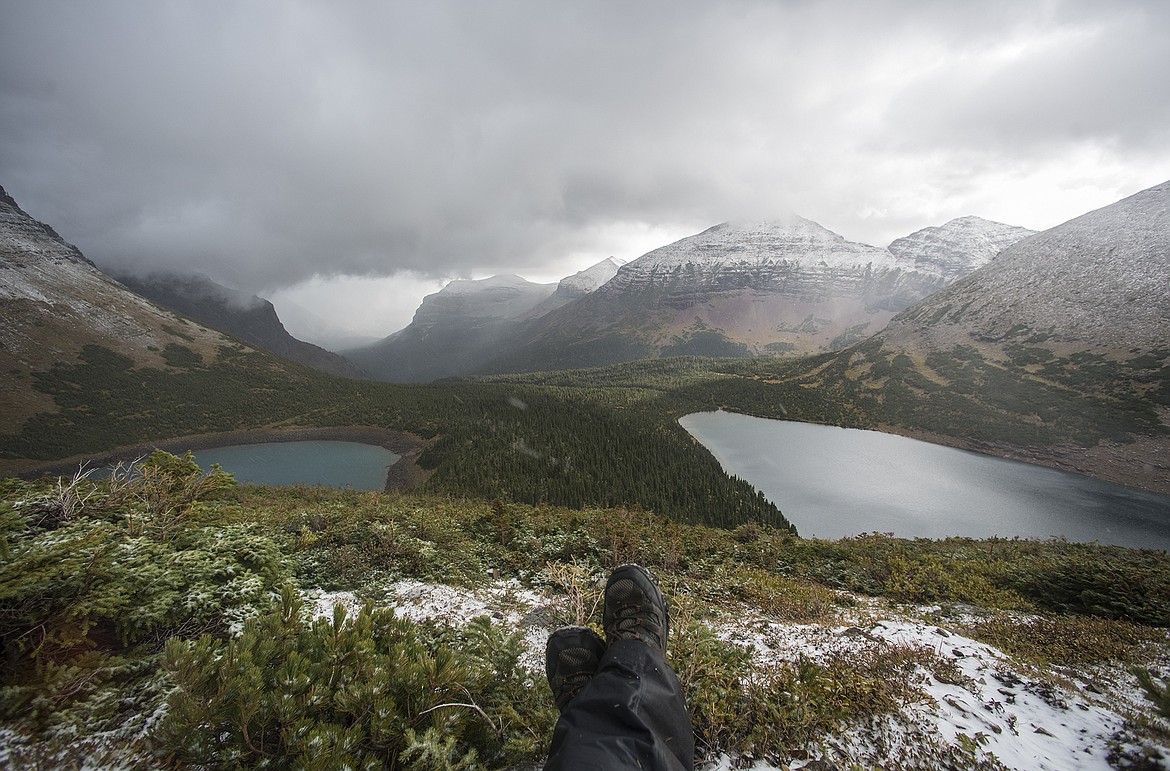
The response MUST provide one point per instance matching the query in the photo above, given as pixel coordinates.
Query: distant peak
(460, 285)
(790, 238)
(585, 281)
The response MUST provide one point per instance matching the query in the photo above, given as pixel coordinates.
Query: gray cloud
(267, 142)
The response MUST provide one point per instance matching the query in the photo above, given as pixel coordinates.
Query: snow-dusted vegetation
(169, 617)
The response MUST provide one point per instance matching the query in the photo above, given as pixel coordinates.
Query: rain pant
(631, 715)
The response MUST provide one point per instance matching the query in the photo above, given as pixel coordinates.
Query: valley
(531, 481)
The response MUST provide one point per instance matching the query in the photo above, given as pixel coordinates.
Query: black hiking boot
(635, 608)
(570, 661)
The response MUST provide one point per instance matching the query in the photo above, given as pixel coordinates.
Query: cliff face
(454, 330)
(464, 302)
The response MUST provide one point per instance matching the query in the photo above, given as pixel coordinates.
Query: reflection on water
(835, 482)
(333, 464)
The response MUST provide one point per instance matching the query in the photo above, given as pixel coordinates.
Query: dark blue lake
(835, 482)
(333, 464)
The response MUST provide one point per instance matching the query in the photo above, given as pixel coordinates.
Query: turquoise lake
(334, 464)
(836, 482)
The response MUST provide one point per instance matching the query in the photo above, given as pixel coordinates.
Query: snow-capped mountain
(787, 286)
(589, 280)
(1101, 280)
(578, 285)
(754, 251)
(958, 247)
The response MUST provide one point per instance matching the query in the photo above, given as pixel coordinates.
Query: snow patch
(505, 602)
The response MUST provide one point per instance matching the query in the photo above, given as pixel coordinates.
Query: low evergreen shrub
(367, 692)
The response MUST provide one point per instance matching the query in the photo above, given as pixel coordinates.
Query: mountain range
(782, 287)
(787, 286)
(1049, 346)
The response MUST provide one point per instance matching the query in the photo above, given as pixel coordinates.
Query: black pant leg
(631, 715)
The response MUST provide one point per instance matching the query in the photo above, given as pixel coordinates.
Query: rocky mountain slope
(1099, 281)
(245, 316)
(788, 286)
(1057, 351)
(53, 302)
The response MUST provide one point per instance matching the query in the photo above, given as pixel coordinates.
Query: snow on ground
(1029, 720)
(506, 602)
(1040, 721)
(1028, 723)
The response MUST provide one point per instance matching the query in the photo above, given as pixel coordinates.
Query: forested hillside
(531, 442)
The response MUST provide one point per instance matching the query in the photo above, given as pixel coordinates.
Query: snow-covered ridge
(800, 258)
(1100, 278)
(792, 257)
(958, 247)
(585, 281)
(794, 240)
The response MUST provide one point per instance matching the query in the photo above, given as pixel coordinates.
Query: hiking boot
(570, 661)
(635, 609)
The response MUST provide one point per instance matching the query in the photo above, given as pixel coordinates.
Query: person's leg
(571, 659)
(631, 714)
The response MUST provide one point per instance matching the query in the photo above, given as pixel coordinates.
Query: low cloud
(270, 144)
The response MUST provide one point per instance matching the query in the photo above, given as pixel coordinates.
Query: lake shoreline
(835, 482)
(1144, 464)
(404, 475)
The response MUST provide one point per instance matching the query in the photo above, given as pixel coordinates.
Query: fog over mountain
(270, 145)
(54, 302)
(240, 314)
(455, 330)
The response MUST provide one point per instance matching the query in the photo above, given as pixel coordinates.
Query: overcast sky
(350, 156)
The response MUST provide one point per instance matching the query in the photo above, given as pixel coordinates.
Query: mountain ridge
(54, 302)
(1115, 257)
(243, 315)
(784, 287)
